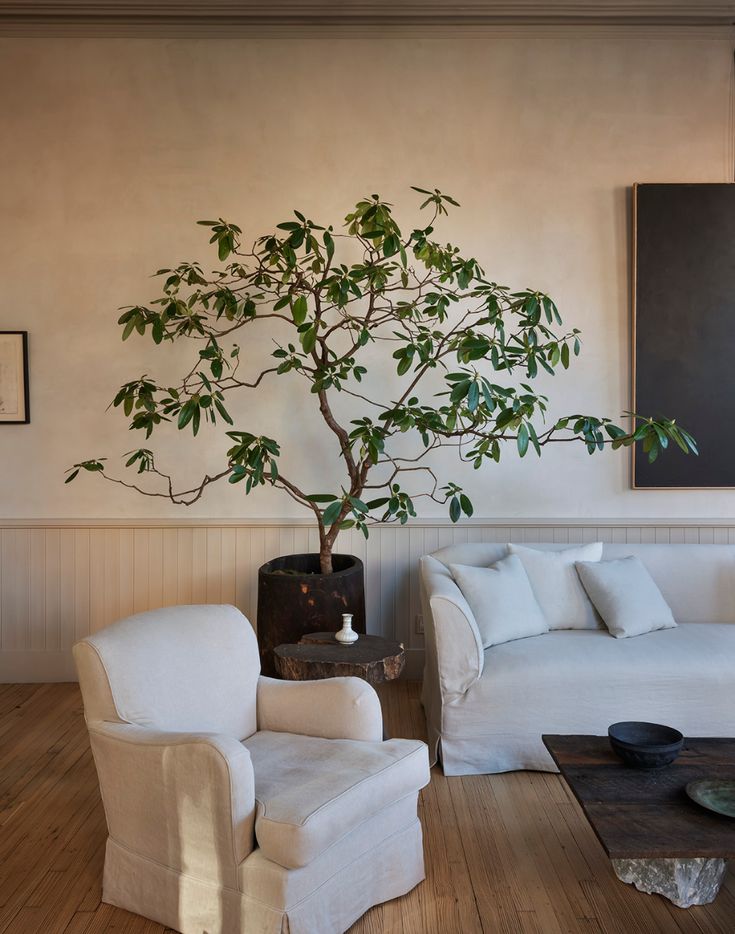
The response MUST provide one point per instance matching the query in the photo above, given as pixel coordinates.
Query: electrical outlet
(419, 624)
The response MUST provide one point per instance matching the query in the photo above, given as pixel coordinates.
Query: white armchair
(238, 804)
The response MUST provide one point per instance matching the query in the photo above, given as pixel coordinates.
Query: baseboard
(32, 667)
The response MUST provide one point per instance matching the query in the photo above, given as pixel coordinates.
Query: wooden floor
(504, 853)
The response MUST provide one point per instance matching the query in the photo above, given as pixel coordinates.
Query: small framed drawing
(14, 408)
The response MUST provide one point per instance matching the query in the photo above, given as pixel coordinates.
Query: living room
(299, 512)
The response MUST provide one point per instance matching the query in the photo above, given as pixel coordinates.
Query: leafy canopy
(436, 312)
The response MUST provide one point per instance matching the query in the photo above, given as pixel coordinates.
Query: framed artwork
(14, 407)
(683, 334)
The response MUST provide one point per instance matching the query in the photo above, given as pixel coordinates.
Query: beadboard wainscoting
(60, 580)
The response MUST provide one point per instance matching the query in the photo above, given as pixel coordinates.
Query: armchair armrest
(459, 651)
(335, 708)
(186, 800)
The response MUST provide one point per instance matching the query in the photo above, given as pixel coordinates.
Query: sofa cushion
(501, 599)
(310, 792)
(625, 596)
(557, 586)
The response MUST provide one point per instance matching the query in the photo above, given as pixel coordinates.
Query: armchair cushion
(310, 791)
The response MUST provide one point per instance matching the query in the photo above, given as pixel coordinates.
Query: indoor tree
(466, 353)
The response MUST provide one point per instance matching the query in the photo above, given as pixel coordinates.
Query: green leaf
(404, 364)
(466, 504)
(223, 412)
(522, 440)
(308, 339)
(186, 414)
(487, 396)
(328, 243)
(459, 391)
(377, 503)
(473, 396)
(321, 497)
(223, 247)
(332, 512)
(358, 504)
(299, 309)
(455, 510)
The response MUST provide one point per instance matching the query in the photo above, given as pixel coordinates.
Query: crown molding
(224, 13)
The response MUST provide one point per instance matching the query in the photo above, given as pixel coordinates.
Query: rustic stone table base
(685, 882)
(318, 655)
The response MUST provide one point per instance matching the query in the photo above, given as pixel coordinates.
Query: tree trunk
(325, 554)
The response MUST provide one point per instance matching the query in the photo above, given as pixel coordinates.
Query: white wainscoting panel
(60, 580)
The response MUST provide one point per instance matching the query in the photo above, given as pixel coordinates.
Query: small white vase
(347, 634)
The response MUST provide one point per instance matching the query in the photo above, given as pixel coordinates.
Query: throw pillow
(626, 596)
(556, 584)
(501, 599)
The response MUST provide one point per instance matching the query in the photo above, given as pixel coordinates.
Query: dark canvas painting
(684, 328)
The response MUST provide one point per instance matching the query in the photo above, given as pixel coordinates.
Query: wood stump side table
(318, 655)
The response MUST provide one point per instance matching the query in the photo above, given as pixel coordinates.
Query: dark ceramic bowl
(645, 745)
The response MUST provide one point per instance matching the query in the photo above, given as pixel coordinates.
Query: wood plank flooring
(505, 854)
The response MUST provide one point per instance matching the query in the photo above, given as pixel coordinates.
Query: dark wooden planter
(304, 600)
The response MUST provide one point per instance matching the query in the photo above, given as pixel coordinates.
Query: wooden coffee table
(657, 838)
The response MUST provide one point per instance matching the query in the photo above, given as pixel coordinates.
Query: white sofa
(486, 709)
(238, 804)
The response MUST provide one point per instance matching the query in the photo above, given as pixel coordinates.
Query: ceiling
(297, 12)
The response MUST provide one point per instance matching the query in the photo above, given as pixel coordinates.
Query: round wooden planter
(294, 598)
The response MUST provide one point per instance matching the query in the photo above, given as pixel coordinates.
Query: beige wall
(111, 148)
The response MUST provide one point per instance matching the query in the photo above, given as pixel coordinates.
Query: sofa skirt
(391, 867)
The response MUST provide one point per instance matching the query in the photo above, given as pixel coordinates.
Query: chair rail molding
(304, 12)
(61, 579)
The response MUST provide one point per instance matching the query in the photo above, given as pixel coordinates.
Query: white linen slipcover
(173, 701)
(310, 792)
(557, 586)
(486, 710)
(625, 596)
(501, 599)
